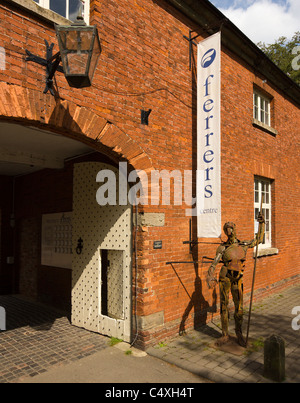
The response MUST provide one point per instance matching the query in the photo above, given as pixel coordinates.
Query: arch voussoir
(31, 106)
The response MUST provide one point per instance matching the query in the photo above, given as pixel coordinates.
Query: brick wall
(144, 65)
(249, 151)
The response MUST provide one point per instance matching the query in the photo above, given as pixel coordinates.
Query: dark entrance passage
(35, 179)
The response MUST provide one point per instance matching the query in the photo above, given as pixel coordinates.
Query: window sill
(42, 12)
(264, 127)
(266, 252)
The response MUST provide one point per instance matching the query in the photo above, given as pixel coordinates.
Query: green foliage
(113, 341)
(285, 54)
(162, 344)
(254, 346)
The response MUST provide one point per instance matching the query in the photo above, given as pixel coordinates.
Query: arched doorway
(50, 205)
(77, 126)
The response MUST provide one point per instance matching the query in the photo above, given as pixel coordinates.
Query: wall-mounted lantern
(79, 51)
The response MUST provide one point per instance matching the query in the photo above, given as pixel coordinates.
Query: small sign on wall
(56, 245)
(157, 245)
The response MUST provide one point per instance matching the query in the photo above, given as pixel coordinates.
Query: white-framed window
(261, 108)
(262, 188)
(67, 8)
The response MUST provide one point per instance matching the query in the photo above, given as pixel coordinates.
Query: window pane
(58, 6)
(74, 6)
(255, 106)
(77, 63)
(262, 116)
(267, 201)
(262, 189)
(261, 109)
(266, 118)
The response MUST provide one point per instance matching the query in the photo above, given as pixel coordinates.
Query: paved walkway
(40, 341)
(37, 338)
(41, 346)
(114, 367)
(272, 315)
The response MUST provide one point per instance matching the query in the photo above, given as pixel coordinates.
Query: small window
(262, 188)
(67, 8)
(261, 108)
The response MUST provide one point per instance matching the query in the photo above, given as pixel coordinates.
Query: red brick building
(52, 148)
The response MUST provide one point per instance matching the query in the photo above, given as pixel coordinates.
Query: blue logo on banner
(208, 58)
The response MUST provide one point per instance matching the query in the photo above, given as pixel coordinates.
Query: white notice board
(56, 245)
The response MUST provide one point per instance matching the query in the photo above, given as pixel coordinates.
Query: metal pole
(253, 279)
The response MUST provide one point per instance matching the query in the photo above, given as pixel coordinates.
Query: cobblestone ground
(273, 315)
(38, 338)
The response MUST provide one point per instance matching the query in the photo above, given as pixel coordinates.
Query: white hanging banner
(209, 137)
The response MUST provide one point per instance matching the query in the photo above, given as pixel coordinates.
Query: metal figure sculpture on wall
(232, 253)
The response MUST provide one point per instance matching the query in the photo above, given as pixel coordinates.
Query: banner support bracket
(191, 43)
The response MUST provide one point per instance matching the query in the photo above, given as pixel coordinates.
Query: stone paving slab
(272, 315)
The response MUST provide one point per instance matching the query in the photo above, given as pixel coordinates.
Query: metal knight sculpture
(232, 254)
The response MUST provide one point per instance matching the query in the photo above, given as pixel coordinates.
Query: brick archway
(29, 106)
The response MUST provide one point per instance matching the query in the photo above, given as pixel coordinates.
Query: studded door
(101, 273)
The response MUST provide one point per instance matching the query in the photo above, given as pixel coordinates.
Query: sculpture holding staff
(232, 253)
